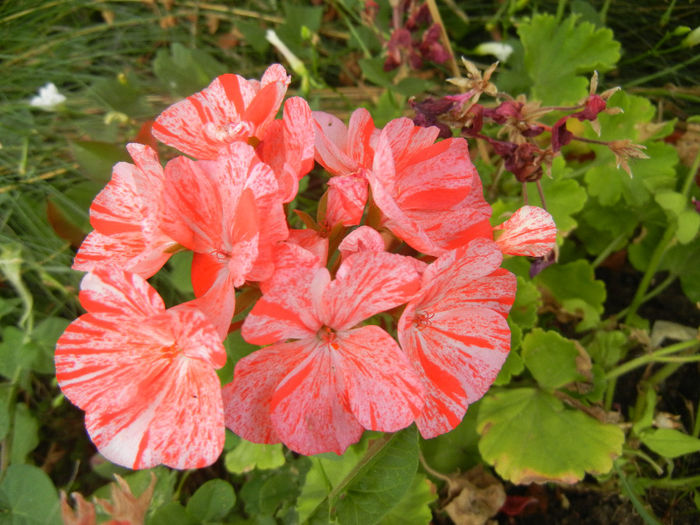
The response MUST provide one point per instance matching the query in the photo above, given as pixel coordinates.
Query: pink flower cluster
(391, 309)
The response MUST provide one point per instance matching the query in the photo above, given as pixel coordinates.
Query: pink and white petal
(330, 144)
(182, 126)
(193, 204)
(285, 312)
(309, 408)
(360, 132)
(347, 197)
(247, 398)
(434, 178)
(159, 401)
(177, 421)
(112, 290)
(458, 268)
(396, 136)
(366, 284)
(275, 73)
(218, 303)
(197, 337)
(128, 250)
(530, 231)
(299, 136)
(445, 399)
(147, 161)
(263, 108)
(311, 241)
(458, 354)
(495, 291)
(383, 391)
(361, 239)
(118, 207)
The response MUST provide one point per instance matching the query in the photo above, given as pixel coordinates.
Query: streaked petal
(247, 398)
(129, 250)
(530, 231)
(330, 144)
(309, 408)
(458, 354)
(383, 391)
(363, 238)
(147, 385)
(347, 197)
(285, 312)
(112, 290)
(218, 302)
(368, 283)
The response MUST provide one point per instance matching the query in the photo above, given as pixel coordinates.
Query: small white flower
(498, 49)
(48, 98)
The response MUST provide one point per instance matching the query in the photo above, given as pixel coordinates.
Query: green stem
(604, 11)
(654, 262)
(610, 393)
(561, 6)
(663, 72)
(657, 356)
(612, 246)
(656, 291)
(627, 489)
(674, 484)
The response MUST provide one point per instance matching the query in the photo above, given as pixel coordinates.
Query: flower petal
(347, 197)
(309, 409)
(163, 403)
(247, 397)
(383, 391)
(112, 290)
(363, 238)
(530, 231)
(458, 355)
(284, 312)
(367, 283)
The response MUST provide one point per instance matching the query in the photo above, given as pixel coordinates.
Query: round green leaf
(247, 456)
(172, 513)
(550, 358)
(688, 225)
(530, 436)
(27, 496)
(212, 501)
(576, 289)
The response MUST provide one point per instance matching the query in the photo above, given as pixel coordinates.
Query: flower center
(423, 320)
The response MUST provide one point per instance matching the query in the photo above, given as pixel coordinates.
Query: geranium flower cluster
(390, 308)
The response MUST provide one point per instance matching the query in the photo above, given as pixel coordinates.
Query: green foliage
(530, 436)
(212, 501)
(670, 443)
(185, 71)
(28, 496)
(574, 286)
(246, 456)
(557, 53)
(357, 490)
(551, 359)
